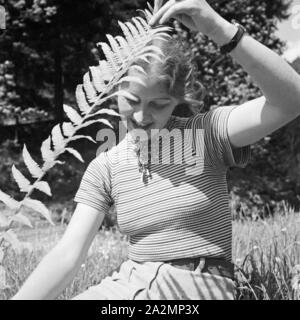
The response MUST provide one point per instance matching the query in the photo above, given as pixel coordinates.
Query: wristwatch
(228, 47)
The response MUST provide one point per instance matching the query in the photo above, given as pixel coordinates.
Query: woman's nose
(142, 117)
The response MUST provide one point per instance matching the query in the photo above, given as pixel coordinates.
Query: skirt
(149, 280)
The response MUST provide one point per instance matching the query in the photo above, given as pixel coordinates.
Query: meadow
(266, 253)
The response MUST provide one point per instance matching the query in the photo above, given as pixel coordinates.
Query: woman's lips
(136, 126)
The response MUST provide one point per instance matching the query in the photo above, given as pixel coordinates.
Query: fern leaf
(68, 129)
(121, 53)
(124, 93)
(21, 219)
(117, 50)
(144, 23)
(32, 166)
(138, 68)
(148, 15)
(73, 115)
(151, 48)
(128, 35)
(89, 89)
(9, 201)
(97, 80)
(88, 123)
(43, 186)
(23, 183)
(83, 105)
(39, 207)
(126, 49)
(75, 153)
(105, 71)
(103, 111)
(133, 30)
(47, 153)
(132, 79)
(57, 139)
(150, 7)
(82, 137)
(109, 55)
(142, 30)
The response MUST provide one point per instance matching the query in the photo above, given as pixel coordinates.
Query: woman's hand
(197, 15)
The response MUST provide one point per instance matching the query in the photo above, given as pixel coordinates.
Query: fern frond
(88, 123)
(138, 68)
(121, 53)
(73, 115)
(68, 129)
(128, 35)
(47, 153)
(23, 183)
(82, 103)
(140, 27)
(132, 79)
(96, 79)
(82, 137)
(75, 153)
(57, 139)
(89, 89)
(39, 207)
(9, 201)
(110, 56)
(32, 166)
(43, 186)
(102, 111)
(125, 47)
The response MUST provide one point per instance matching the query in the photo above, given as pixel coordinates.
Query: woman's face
(152, 107)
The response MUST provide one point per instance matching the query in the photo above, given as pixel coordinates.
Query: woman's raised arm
(58, 268)
(278, 81)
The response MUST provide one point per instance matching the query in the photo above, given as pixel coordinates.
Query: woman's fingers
(157, 5)
(172, 12)
(156, 17)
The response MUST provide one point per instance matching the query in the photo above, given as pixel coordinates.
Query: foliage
(51, 42)
(265, 252)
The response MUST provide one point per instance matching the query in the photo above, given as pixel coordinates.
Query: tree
(50, 42)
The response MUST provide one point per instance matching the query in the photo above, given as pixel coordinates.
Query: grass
(266, 253)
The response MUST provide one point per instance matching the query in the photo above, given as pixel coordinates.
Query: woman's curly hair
(178, 72)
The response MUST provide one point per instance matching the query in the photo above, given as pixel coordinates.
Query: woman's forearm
(50, 278)
(278, 81)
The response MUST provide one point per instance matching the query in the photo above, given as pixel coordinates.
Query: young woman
(176, 214)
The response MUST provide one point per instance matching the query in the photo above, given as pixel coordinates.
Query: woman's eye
(131, 102)
(157, 106)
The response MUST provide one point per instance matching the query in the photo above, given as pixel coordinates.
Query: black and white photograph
(149, 150)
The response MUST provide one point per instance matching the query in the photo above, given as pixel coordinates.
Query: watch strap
(228, 47)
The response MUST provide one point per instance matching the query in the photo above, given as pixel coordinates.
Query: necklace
(143, 152)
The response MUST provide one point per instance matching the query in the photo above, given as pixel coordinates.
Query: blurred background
(48, 45)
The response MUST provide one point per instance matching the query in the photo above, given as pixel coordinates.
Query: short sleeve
(217, 143)
(95, 186)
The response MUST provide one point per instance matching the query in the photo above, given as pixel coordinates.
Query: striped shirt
(183, 209)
